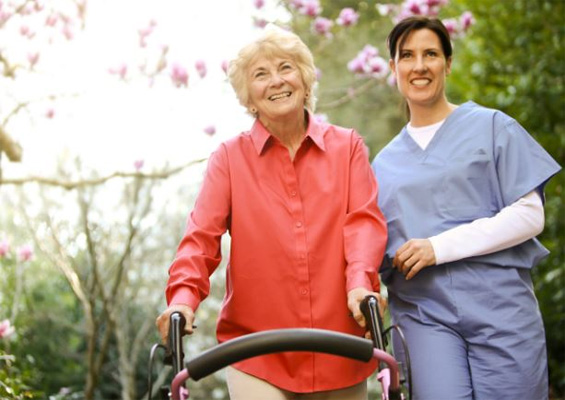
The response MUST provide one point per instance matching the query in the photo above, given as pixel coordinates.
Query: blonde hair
(275, 42)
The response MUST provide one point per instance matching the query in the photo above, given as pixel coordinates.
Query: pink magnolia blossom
(210, 130)
(259, 4)
(347, 17)
(4, 247)
(121, 70)
(145, 32)
(451, 25)
(50, 113)
(376, 67)
(4, 16)
(368, 63)
(310, 8)
(414, 6)
(68, 32)
(51, 20)
(467, 20)
(437, 3)
(32, 58)
(138, 164)
(25, 252)
(356, 65)
(260, 22)
(24, 30)
(201, 68)
(225, 65)
(179, 75)
(322, 26)
(6, 329)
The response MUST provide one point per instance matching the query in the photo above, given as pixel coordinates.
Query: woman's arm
(514, 224)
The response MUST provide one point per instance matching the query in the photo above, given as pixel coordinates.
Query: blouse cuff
(185, 295)
(361, 275)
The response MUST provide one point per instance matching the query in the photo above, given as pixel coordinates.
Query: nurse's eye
(405, 54)
(432, 53)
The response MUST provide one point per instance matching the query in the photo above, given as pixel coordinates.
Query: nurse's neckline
(437, 118)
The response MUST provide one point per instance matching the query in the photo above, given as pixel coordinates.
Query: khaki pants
(243, 386)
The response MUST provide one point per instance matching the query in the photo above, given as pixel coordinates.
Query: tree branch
(69, 185)
(7, 145)
(351, 94)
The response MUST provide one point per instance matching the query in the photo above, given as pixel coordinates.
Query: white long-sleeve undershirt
(514, 224)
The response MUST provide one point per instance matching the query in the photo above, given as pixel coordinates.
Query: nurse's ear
(392, 66)
(448, 67)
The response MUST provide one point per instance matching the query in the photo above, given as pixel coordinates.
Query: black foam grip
(276, 341)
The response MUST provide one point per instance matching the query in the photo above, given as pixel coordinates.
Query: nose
(420, 64)
(276, 79)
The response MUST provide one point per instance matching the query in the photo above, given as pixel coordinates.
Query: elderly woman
(298, 198)
(462, 191)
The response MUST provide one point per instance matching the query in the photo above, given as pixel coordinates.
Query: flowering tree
(28, 25)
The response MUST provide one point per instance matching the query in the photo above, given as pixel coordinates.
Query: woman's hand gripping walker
(282, 340)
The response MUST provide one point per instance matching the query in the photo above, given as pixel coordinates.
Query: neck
(290, 130)
(422, 115)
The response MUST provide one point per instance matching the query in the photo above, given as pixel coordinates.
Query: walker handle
(276, 341)
(370, 309)
(175, 355)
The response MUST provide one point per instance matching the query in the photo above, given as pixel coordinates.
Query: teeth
(279, 96)
(420, 82)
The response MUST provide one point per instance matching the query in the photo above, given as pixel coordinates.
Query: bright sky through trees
(112, 123)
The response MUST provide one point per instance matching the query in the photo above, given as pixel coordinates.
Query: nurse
(461, 187)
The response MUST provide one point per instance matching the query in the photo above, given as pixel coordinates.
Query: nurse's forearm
(513, 225)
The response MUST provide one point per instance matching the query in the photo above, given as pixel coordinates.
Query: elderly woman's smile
(279, 96)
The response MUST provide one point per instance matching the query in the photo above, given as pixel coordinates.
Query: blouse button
(298, 224)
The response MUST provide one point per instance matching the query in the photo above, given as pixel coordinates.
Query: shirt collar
(260, 135)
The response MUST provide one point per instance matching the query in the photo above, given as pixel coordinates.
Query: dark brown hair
(400, 32)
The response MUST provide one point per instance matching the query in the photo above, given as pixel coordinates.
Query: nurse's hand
(413, 256)
(354, 299)
(163, 320)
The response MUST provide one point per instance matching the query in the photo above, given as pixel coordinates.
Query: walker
(395, 378)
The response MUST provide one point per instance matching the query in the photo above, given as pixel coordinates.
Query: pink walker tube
(392, 364)
(178, 392)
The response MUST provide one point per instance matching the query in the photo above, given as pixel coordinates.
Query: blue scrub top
(478, 162)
